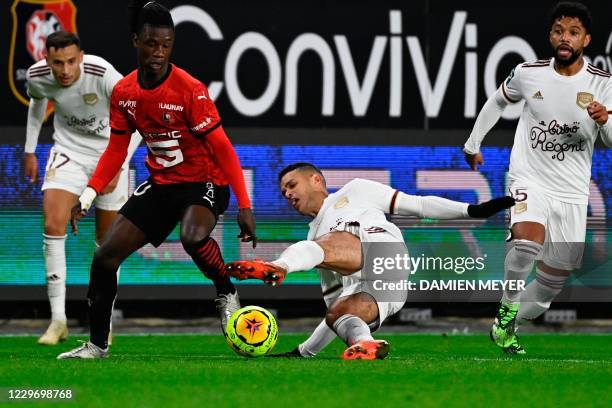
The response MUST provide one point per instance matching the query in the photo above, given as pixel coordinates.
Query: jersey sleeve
(33, 90)
(370, 193)
(511, 87)
(202, 116)
(111, 77)
(119, 120)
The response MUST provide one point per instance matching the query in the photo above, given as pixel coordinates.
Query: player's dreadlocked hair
(572, 9)
(300, 166)
(148, 12)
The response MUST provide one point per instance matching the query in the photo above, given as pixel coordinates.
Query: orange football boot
(257, 269)
(367, 350)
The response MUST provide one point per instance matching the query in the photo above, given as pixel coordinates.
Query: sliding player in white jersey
(550, 165)
(344, 223)
(80, 87)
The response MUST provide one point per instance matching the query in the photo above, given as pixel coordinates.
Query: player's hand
(82, 206)
(491, 207)
(75, 215)
(246, 222)
(598, 112)
(474, 160)
(30, 165)
(110, 187)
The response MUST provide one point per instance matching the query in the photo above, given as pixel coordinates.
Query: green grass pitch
(422, 370)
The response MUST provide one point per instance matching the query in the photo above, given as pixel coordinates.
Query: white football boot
(56, 332)
(87, 350)
(227, 305)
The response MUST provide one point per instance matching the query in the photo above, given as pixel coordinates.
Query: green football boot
(502, 332)
(514, 347)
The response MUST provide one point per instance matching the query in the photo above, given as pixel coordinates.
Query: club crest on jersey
(167, 117)
(33, 21)
(90, 98)
(341, 203)
(583, 99)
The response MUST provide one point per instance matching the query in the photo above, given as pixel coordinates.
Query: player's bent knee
(331, 316)
(107, 258)
(194, 238)
(55, 227)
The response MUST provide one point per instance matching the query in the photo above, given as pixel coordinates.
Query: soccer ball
(252, 331)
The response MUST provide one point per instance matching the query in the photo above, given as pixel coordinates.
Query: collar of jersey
(159, 82)
(570, 78)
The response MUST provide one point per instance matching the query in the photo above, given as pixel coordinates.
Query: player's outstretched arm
(487, 118)
(443, 209)
(230, 165)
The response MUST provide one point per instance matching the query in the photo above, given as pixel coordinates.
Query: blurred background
(385, 90)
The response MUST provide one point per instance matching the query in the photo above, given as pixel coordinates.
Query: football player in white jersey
(550, 165)
(342, 222)
(80, 87)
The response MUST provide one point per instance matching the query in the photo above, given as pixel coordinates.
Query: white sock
(352, 329)
(55, 272)
(318, 340)
(538, 295)
(301, 256)
(517, 266)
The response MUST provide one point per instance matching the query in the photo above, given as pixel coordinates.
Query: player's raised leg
(330, 249)
(196, 227)
(56, 209)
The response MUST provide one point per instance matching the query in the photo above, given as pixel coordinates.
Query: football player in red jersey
(190, 160)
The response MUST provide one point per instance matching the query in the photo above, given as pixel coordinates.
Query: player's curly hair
(148, 12)
(572, 9)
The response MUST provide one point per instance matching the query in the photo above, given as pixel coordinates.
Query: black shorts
(157, 208)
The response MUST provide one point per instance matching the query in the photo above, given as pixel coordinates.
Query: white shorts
(352, 283)
(565, 224)
(70, 171)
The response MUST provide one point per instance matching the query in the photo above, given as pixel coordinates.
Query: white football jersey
(359, 208)
(81, 121)
(553, 144)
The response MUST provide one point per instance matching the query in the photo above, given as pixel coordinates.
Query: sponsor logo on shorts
(520, 208)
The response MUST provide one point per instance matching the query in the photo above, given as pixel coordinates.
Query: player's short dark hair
(572, 9)
(300, 166)
(62, 39)
(143, 12)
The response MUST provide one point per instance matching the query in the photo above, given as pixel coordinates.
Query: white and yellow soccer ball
(252, 331)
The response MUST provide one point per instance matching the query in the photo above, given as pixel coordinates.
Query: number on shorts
(520, 194)
(166, 152)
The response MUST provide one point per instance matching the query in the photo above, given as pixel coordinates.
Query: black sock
(207, 256)
(100, 297)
